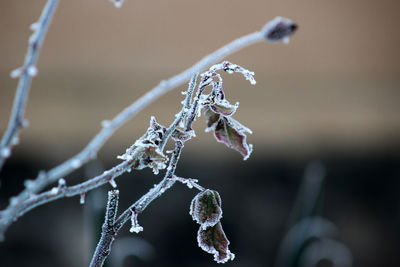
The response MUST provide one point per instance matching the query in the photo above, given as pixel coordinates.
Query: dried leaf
(145, 151)
(233, 135)
(179, 135)
(213, 240)
(211, 118)
(224, 108)
(206, 208)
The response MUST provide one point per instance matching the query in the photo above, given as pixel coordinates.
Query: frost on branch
(117, 3)
(206, 208)
(145, 151)
(135, 227)
(213, 240)
(279, 29)
(218, 112)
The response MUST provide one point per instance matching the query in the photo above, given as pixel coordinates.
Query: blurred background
(326, 103)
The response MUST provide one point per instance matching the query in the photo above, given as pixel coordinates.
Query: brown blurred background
(331, 94)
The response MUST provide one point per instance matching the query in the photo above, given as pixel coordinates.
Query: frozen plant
(148, 151)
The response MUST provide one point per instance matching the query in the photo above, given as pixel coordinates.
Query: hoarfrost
(34, 26)
(14, 201)
(117, 3)
(5, 152)
(25, 123)
(135, 228)
(82, 198)
(213, 240)
(29, 184)
(61, 183)
(206, 208)
(54, 191)
(15, 141)
(145, 151)
(16, 73)
(113, 183)
(32, 71)
(76, 163)
(105, 123)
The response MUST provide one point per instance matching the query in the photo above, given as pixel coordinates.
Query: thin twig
(183, 112)
(25, 74)
(108, 231)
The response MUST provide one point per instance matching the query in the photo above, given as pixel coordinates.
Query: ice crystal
(5, 152)
(135, 228)
(82, 198)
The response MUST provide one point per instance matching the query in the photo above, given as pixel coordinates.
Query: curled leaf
(145, 151)
(211, 118)
(223, 107)
(206, 208)
(213, 240)
(233, 135)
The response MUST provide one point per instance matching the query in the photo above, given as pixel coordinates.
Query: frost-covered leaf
(145, 151)
(223, 107)
(279, 29)
(179, 135)
(233, 135)
(211, 118)
(213, 240)
(206, 208)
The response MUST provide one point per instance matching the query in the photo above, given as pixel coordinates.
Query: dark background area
(331, 95)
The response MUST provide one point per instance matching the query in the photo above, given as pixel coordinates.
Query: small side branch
(25, 74)
(108, 232)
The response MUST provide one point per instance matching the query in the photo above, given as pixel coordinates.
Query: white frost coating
(54, 191)
(136, 228)
(5, 152)
(105, 123)
(32, 71)
(61, 182)
(13, 201)
(113, 183)
(34, 26)
(25, 123)
(250, 149)
(16, 73)
(76, 163)
(15, 141)
(211, 249)
(29, 184)
(182, 124)
(82, 198)
(117, 3)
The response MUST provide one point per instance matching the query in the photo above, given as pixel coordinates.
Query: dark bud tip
(279, 29)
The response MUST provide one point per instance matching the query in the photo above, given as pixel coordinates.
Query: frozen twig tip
(279, 30)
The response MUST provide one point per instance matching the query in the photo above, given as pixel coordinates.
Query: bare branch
(25, 74)
(108, 233)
